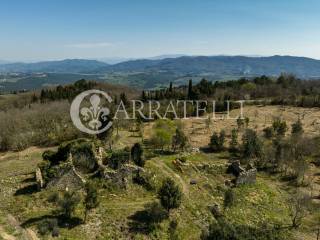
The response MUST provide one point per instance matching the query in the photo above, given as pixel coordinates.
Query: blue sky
(42, 29)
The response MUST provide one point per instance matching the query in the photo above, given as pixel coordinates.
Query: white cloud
(90, 45)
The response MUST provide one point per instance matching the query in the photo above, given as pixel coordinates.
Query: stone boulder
(243, 176)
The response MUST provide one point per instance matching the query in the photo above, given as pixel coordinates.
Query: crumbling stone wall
(67, 178)
(247, 177)
(121, 176)
(243, 176)
(39, 179)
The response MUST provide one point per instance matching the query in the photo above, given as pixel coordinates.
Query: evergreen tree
(234, 140)
(217, 141)
(229, 198)
(190, 90)
(67, 203)
(143, 96)
(170, 194)
(280, 127)
(296, 128)
(123, 98)
(179, 140)
(251, 144)
(137, 155)
(91, 199)
(170, 87)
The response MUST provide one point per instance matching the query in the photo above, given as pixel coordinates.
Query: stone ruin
(121, 176)
(243, 176)
(39, 179)
(68, 176)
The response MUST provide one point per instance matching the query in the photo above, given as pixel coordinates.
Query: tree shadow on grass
(29, 180)
(27, 190)
(62, 221)
(146, 220)
(206, 149)
(164, 152)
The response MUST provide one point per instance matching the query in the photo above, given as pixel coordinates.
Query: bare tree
(299, 206)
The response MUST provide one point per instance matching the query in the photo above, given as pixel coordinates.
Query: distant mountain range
(64, 66)
(224, 65)
(155, 72)
(217, 65)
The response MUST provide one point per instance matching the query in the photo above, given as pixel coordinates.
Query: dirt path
(169, 172)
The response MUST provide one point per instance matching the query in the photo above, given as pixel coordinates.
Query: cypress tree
(190, 91)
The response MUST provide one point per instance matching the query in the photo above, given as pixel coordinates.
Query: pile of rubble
(67, 174)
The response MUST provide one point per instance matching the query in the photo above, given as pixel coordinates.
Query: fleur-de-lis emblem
(93, 119)
(94, 114)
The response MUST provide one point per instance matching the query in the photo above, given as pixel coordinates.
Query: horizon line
(157, 57)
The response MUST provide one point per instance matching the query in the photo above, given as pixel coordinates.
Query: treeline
(42, 118)
(284, 90)
(64, 92)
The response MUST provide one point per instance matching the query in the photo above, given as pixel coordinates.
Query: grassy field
(263, 202)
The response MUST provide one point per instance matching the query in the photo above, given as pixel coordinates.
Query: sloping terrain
(202, 180)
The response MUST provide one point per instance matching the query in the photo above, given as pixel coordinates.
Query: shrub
(217, 141)
(83, 156)
(49, 155)
(234, 141)
(179, 140)
(144, 179)
(80, 145)
(296, 128)
(163, 131)
(240, 122)
(251, 144)
(67, 203)
(170, 194)
(161, 138)
(229, 198)
(91, 199)
(268, 132)
(118, 158)
(173, 235)
(246, 120)
(137, 155)
(280, 127)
